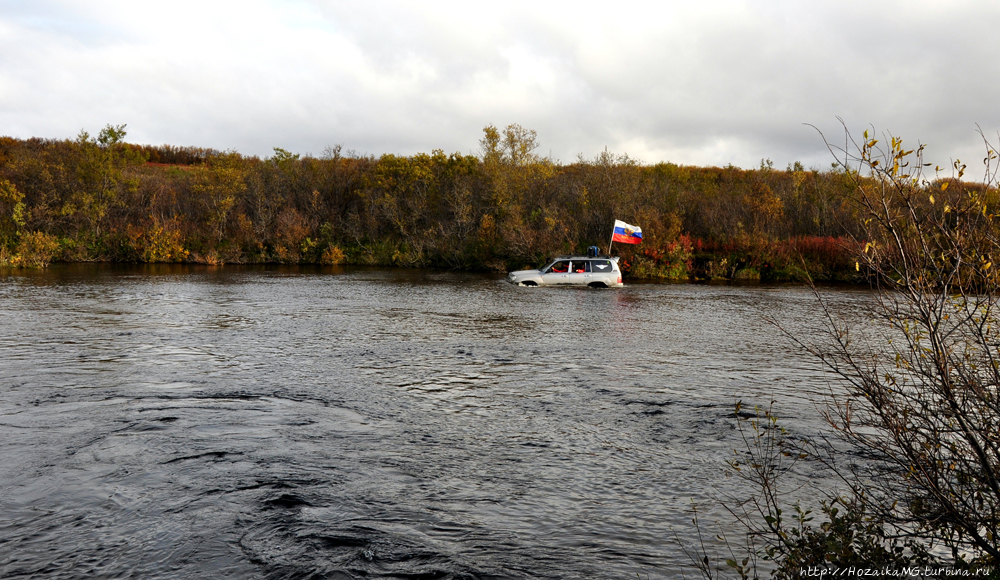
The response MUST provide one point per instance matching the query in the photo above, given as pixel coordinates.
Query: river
(179, 421)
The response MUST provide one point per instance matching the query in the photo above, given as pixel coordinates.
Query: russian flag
(627, 234)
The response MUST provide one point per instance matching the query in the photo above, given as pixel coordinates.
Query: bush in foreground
(916, 428)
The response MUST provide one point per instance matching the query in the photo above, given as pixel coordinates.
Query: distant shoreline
(102, 199)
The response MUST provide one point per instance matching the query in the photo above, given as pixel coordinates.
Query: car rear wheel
(597, 285)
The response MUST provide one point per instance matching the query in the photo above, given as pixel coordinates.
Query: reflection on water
(182, 421)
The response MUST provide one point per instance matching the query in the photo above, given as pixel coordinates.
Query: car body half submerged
(593, 271)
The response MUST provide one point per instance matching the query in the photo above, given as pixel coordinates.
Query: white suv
(596, 272)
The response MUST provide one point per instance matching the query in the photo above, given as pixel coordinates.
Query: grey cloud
(724, 82)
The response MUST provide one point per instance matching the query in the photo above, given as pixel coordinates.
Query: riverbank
(102, 199)
(796, 260)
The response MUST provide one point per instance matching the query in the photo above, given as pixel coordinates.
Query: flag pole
(612, 241)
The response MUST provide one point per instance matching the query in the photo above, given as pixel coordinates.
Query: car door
(602, 271)
(557, 273)
(580, 272)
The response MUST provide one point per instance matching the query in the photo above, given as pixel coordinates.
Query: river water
(231, 422)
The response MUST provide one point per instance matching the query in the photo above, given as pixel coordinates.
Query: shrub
(333, 255)
(34, 250)
(157, 243)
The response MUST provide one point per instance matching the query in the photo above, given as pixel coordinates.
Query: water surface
(179, 421)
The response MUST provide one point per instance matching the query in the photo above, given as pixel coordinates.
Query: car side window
(581, 266)
(560, 268)
(601, 266)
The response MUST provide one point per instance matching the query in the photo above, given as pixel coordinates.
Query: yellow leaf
(944, 186)
(857, 266)
(932, 200)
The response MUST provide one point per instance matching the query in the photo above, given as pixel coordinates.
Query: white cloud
(695, 83)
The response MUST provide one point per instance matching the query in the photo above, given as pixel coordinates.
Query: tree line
(99, 198)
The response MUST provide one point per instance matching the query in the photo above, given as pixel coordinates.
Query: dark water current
(184, 422)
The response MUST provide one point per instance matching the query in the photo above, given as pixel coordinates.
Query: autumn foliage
(102, 199)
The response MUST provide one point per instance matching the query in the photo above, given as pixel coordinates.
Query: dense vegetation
(102, 199)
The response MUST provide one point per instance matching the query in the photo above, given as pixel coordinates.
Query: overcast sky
(696, 83)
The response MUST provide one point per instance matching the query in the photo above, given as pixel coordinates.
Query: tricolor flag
(626, 234)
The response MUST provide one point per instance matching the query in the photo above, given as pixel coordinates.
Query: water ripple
(347, 423)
